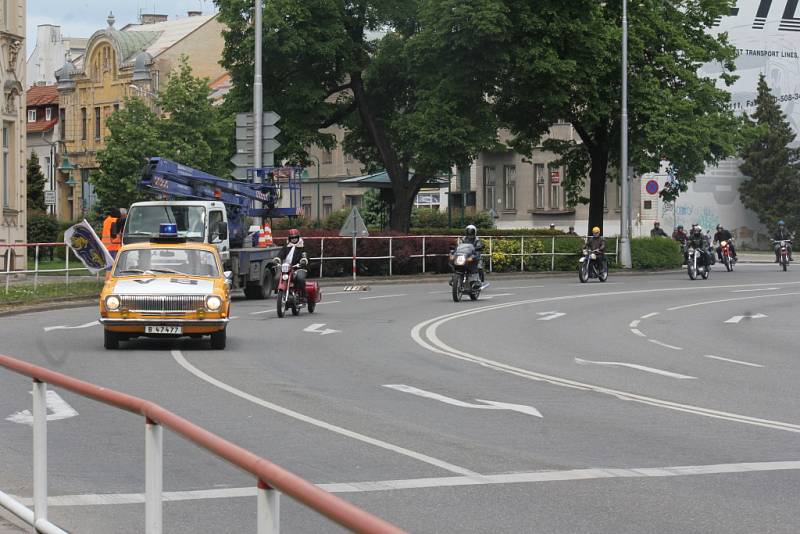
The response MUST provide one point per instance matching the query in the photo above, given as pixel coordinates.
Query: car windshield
(182, 261)
(145, 221)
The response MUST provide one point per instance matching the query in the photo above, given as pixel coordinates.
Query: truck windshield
(160, 260)
(144, 221)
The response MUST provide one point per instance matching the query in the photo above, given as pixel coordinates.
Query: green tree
(358, 64)
(374, 208)
(35, 184)
(772, 166)
(135, 136)
(190, 130)
(561, 60)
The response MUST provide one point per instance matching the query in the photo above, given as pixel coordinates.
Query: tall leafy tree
(189, 130)
(35, 184)
(561, 61)
(772, 166)
(358, 64)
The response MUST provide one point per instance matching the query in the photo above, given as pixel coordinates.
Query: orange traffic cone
(265, 236)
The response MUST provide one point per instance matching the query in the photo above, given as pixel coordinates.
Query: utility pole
(258, 93)
(624, 231)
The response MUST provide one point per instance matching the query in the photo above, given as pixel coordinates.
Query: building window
(538, 176)
(116, 107)
(306, 206)
(555, 189)
(353, 201)
(62, 124)
(97, 124)
(48, 114)
(31, 115)
(510, 187)
(5, 165)
(84, 118)
(327, 206)
(489, 184)
(327, 157)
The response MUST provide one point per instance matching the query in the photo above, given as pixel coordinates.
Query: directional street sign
(244, 158)
(245, 146)
(267, 132)
(246, 119)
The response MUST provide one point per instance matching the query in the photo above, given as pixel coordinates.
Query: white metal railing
(271, 479)
(424, 255)
(10, 258)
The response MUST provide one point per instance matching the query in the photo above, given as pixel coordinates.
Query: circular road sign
(651, 187)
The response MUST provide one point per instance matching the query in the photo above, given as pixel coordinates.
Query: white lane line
(262, 312)
(638, 332)
(329, 302)
(665, 345)
(183, 362)
(750, 290)
(63, 327)
(383, 296)
(494, 295)
(487, 404)
(431, 342)
(634, 324)
(770, 296)
(514, 287)
(636, 366)
(649, 315)
(732, 361)
(440, 482)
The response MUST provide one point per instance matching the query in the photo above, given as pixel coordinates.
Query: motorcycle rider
(657, 231)
(597, 244)
(782, 234)
(293, 253)
(679, 235)
(724, 235)
(471, 236)
(699, 242)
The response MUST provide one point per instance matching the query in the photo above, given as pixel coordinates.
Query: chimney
(194, 13)
(151, 18)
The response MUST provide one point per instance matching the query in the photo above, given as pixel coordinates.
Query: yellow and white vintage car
(165, 288)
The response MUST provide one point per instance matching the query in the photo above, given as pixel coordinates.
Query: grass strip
(25, 293)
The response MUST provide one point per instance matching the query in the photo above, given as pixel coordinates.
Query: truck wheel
(110, 340)
(259, 292)
(218, 339)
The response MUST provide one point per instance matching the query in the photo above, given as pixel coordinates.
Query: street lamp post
(316, 161)
(624, 232)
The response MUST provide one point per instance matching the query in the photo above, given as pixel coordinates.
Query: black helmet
(680, 227)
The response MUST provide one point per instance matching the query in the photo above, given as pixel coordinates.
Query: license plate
(163, 330)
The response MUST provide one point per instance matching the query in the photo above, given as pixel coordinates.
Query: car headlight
(213, 303)
(112, 303)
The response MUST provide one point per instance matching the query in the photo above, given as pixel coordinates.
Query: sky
(81, 18)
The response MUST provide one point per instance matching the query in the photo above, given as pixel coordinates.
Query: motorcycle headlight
(460, 259)
(285, 277)
(213, 303)
(593, 256)
(724, 244)
(112, 303)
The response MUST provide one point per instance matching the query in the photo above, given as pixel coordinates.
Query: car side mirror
(228, 278)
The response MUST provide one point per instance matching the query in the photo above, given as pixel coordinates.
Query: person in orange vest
(112, 234)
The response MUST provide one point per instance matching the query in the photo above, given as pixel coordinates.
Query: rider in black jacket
(294, 246)
(782, 234)
(724, 235)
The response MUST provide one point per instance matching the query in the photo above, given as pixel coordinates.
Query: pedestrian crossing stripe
(356, 288)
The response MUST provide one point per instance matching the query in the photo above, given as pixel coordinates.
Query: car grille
(162, 303)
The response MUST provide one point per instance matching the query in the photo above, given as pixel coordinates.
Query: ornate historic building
(12, 113)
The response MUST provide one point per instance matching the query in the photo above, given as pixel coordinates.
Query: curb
(61, 303)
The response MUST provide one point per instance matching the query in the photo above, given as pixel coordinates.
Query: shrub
(42, 228)
(336, 219)
(504, 259)
(428, 218)
(655, 253)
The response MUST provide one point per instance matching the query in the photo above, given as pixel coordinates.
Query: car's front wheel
(218, 339)
(110, 340)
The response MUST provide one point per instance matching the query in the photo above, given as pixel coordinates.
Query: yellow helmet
(596, 230)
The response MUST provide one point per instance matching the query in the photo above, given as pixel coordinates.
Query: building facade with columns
(13, 194)
(133, 61)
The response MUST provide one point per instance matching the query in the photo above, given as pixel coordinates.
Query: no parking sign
(651, 187)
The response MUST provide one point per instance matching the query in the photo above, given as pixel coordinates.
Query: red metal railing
(270, 477)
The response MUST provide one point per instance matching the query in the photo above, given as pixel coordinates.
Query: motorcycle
(588, 268)
(289, 298)
(727, 259)
(466, 276)
(693, 268)
(783, 252)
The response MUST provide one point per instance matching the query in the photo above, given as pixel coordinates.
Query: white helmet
(472, 231)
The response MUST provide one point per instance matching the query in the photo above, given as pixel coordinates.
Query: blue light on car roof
(168, 230)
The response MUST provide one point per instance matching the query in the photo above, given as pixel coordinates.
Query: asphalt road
(645, 404)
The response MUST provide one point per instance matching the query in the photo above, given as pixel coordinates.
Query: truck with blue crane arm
(214, 210)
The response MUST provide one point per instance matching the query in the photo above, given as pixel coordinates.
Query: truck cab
(198, 221)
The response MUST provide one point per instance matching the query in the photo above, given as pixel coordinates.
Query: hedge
(655, 253)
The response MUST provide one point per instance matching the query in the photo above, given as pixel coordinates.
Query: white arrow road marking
(662, 344)
(635, 366)
(634, 324)
(56, 405)
(63, 327)
(736, 319)
(649, 315)
(447, 466)
(550, 315)
(315, 329)
(732, 361)
(638, 332)
(751, 290)
(488, 405)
